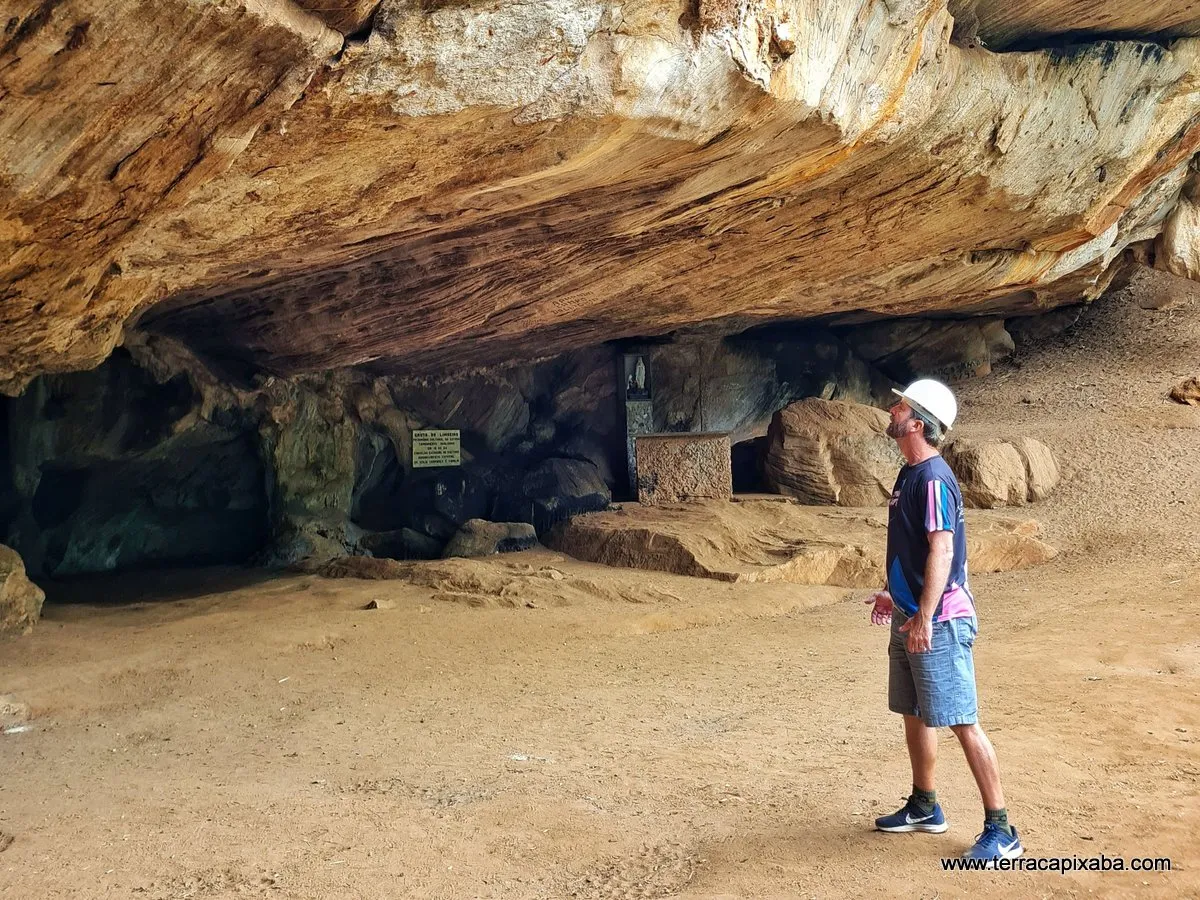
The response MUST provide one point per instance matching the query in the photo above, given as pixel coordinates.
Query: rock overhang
(477, 184)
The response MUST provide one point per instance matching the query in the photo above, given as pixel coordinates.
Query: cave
(104, 472)
(329, 333)
(231, 339)
(156, 459)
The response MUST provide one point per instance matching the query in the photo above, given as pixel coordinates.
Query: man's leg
(921, 811)
(922, 751)
(998, 840)
(981, 757)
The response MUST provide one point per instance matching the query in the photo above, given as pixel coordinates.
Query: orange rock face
(828, 451)
(478, 183)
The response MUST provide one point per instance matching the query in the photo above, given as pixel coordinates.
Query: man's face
(902, 416)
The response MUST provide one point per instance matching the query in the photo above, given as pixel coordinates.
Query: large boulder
(590, 450)
(1002, 473)
(1041, 469)
(767, 541)
(559, 488)
(479, 537)
(831, 452)
(20, 599)
(401, 543)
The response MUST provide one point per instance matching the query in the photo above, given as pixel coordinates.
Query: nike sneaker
(993, 844)
(911, 817)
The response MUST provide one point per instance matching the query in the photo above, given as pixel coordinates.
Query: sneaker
(993, 844)
(910, 818)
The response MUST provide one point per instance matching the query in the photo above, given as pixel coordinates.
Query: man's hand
(920, 633)
(881, 612)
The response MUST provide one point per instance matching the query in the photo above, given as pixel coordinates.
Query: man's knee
(966, 733)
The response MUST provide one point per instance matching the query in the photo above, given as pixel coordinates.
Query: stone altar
(683, 466)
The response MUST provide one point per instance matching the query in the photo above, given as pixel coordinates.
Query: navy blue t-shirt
(926, 498)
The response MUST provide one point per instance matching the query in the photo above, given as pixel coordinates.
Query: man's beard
(895, 430)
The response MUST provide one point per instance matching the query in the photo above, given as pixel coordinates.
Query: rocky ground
(539, 727)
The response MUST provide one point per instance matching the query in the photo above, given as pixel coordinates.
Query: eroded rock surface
(1002, 473)
(1187, 391)
(113, 468)
(737, 383)
(772, 541)
(830, 451)
(477, 183)
(907, 349)
(1003, 23)
(676, 467)
(20, 599)
(152, 459)
(479, 537)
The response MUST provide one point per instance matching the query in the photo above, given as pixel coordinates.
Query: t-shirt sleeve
(941, 506)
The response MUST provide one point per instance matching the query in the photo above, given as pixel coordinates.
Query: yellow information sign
(435, 447)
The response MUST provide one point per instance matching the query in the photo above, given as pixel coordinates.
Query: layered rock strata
(1002, 472)
(831, 452)
(768, 541)
(468, 184)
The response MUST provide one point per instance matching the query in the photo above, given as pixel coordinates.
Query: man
(931, 672)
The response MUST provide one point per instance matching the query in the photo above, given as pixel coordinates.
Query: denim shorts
(938, 686)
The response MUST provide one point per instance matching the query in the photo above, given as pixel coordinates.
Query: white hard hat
(933, 399)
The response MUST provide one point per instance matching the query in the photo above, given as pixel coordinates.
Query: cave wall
(155, 459)
(736, 383)
(110, 469)
(159, 458)
(947, 349)
(539, 442)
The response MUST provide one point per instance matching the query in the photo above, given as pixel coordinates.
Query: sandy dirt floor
(627, 734)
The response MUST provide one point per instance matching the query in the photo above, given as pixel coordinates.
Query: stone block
(675, 467)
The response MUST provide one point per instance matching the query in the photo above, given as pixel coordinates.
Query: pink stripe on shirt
(956, 604)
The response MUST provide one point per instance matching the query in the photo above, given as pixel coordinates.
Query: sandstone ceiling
(426, 185)
(1000, 24)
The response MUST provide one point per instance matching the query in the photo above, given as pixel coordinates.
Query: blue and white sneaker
(993, 844)
(910, 818)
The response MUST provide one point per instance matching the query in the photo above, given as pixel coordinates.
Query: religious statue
(636, 387)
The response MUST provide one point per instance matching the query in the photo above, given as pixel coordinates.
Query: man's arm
(937, 573)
